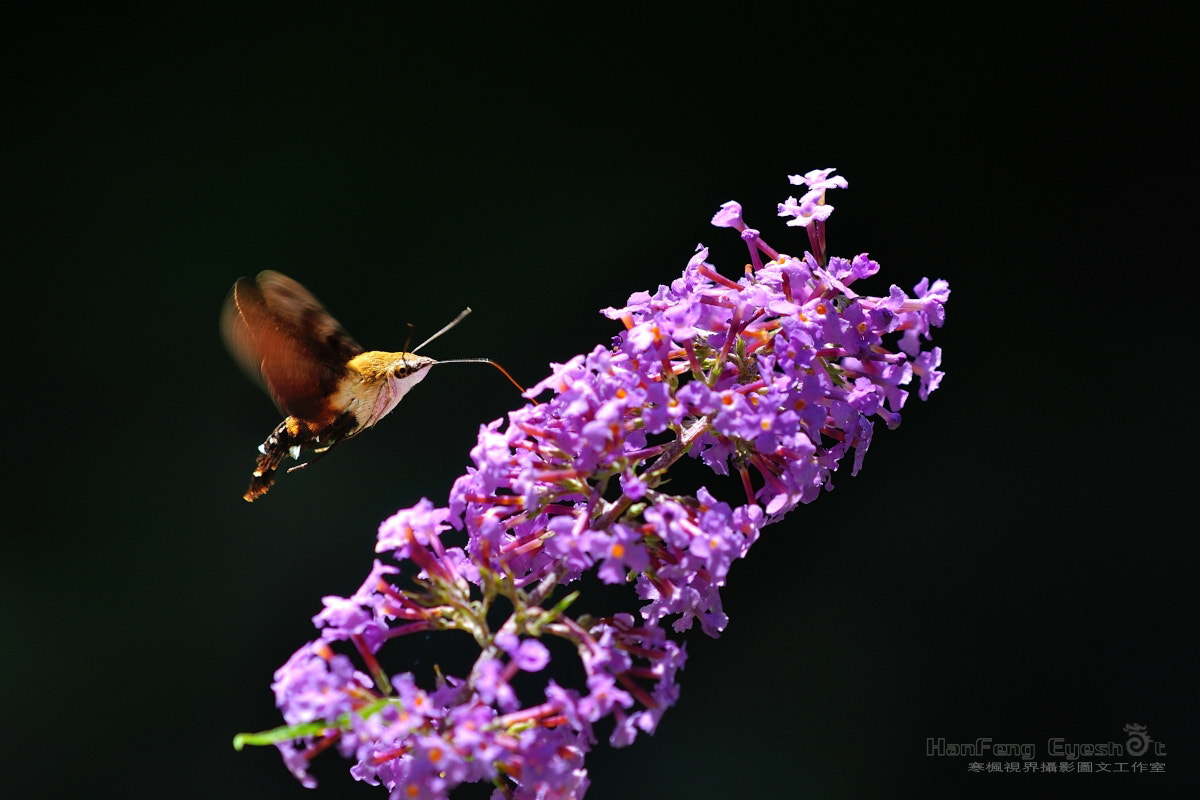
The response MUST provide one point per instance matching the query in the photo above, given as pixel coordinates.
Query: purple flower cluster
(772, 377)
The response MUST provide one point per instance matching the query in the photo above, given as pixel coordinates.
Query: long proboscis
(450, 325)
(511, 380)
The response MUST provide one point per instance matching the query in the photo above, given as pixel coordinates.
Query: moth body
(327, 385)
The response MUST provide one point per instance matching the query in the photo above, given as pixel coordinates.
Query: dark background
(1017, 561)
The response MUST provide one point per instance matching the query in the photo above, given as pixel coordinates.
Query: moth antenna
(408, 338)
(445, 328)
(511, 380)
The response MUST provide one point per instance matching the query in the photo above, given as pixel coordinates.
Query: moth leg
(286, 440)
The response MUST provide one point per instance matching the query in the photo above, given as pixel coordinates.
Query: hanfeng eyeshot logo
(1140, 752)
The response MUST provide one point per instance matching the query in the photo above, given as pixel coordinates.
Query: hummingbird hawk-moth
(329, 388)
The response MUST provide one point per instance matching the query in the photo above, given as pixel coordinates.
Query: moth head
(376, 366)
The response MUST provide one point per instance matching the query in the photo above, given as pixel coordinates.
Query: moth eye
(400, 371)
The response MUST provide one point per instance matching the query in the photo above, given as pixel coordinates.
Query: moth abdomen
(290, 438)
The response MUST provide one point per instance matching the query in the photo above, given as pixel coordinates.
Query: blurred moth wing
(286, 341)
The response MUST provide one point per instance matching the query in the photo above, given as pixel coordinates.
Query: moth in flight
(329, 388)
